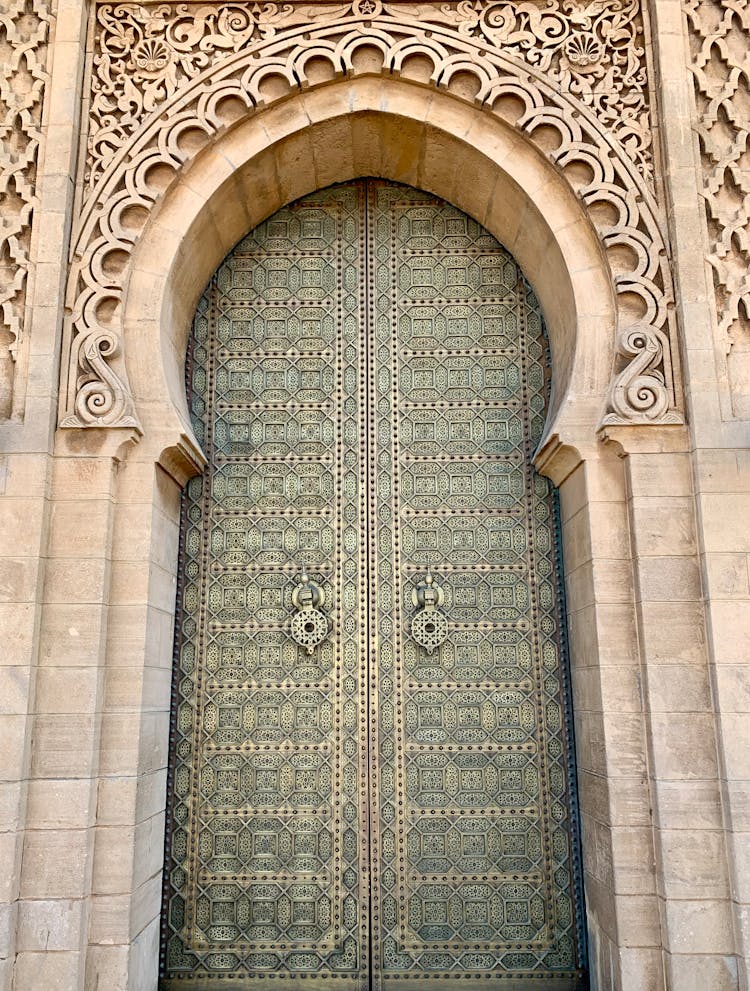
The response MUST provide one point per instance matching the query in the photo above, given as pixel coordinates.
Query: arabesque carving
(567, 66)
(720, 44)
(144, 55)
(24, 27)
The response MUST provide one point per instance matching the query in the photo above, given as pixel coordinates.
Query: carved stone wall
(24, 29)
(570, 74)
(720, 50)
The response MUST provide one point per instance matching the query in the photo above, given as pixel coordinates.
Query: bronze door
(371, 782)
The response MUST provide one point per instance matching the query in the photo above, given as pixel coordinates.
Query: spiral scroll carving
(575, 68)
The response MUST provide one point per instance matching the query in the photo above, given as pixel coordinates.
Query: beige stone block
(577, 540)
(133, 743)
(60, 804)
(683, 745)
(664, 526)
(107, 967)
(113, 860)
(47, 970)
(629, 803)
(10, 857)
(83, 478)
(693, 972)
(732, 683)
(573, 494)
(678, 688)
(610, 530)
(668, 579)
(724, 516)
(693, 863)
(333, 152)
(722, 471)
(71, 690)
(11, 797)
(54, 863)
(72, 635)
(17, 632)
(688, 805)
(612, 581)
(13, 743)
(146, 904)
(14, 690)
(80, 529)
(151, 795)
(579, 589)
(116, 801)
(703, 926)
(641, 969)
(728, 576)
(65, 745)
(77, 581)
(730, 631)
(659, 475)
(740, 867)
(110, 919)
(625, 754)
(674, 632)
(20, 580)
(735, 740)
(638, 920)
(617, 642)
(144, 956)
(25, 476)
(620, 689)
(22, 526)
(51, 925)
(149, 849)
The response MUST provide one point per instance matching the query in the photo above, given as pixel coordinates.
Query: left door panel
(267, 852)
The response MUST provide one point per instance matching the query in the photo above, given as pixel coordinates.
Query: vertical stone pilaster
(26, 466)
(718, 426)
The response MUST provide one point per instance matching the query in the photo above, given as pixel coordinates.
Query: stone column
(719, 436)
(610, 721)
(25, 492)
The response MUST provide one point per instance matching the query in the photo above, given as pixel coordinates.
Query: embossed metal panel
(370, 782)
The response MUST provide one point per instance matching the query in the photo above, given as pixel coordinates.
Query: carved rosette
(24, 28)
(576, 67)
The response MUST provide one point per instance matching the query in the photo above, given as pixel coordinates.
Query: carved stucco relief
(24, 29)
(576, 66)
(720, 50)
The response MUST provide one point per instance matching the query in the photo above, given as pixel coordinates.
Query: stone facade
(604, 144)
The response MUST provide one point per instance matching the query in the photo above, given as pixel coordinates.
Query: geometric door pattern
(368, 378)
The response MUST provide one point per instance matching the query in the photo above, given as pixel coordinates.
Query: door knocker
(429, 627)
(309, 626)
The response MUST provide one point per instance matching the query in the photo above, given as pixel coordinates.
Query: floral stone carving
(24, 27)
(576, 66)
(720, 43)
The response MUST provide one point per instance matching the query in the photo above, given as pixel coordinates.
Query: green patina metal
(371, 780)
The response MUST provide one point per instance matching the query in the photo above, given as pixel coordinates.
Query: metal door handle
(309, 625)
(429, 626)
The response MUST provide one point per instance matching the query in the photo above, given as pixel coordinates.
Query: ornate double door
(371, 771)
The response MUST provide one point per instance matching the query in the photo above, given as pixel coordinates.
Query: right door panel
(472, 818)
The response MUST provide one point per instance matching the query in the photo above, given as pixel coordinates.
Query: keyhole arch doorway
(368, 377)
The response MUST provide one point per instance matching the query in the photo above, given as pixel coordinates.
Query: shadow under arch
(353, 128)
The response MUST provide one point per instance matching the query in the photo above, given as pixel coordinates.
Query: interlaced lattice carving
(525, 62)
(24, 27)
(720, 46)
(376, 809)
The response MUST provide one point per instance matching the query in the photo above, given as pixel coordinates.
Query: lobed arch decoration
(558, 151)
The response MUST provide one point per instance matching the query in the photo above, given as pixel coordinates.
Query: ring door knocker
(309, 626)
(429, 627)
